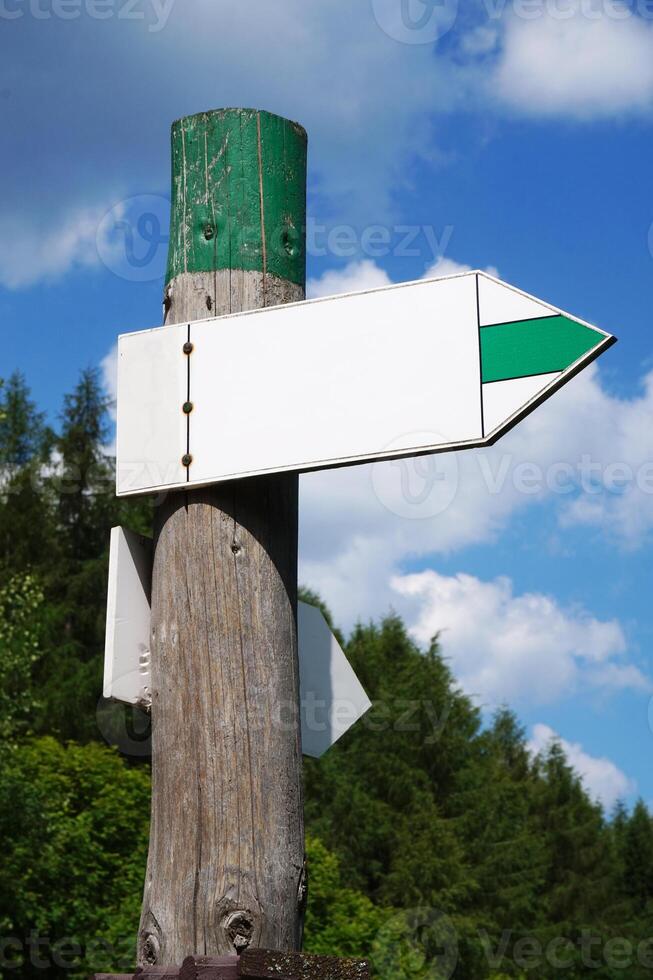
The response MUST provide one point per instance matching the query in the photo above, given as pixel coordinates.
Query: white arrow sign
(338, 381)
(331, 696)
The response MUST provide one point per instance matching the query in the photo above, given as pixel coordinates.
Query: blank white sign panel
(389, 372)
(366, 373)
(151, 426)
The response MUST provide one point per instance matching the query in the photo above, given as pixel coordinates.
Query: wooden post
(225, 867)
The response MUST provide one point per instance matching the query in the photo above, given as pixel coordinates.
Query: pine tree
(24, 435)
(85, 482)
(579, 894)
(507, 853)
(637, 855)
(26, 515)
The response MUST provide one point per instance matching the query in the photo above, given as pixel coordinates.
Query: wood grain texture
(225, 867)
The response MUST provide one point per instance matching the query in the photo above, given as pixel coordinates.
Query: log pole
(225, 867)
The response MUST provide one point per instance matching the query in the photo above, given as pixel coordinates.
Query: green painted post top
(238, 194)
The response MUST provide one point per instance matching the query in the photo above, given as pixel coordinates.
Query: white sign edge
(376, 289)
(119, 544)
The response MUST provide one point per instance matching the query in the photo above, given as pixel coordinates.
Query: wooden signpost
(222, 407)
(226, 859)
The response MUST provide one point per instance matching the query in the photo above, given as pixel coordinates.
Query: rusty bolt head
(186, 459)
(188, 347)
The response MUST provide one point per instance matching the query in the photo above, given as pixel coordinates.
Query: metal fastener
(186, 459)
(187, 408)
(188, 347)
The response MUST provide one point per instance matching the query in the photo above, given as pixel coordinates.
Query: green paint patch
(517, 350)
(238, 194)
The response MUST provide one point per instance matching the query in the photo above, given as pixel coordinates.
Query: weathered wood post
(225, 867)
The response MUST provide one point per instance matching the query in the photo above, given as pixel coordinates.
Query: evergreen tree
(85, 480)
(579, 895)
(509, 856)
(637, 855)
(27, 531)
(24, 435)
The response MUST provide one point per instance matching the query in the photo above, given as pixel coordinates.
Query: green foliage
(340, 921)
(57, 506)
(436, 842)
(73, 863)
(21, 604)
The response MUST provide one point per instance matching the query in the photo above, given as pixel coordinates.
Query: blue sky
(509, 136)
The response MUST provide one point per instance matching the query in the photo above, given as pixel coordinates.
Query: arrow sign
(331, 696)
(337, 381)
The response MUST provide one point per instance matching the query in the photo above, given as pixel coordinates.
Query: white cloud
(353, 277)
(602, 778)
(366, 274)
(514, 648)
(575, 60)
(30, 253)
(480, 40)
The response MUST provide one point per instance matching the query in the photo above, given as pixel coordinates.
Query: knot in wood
(239, 926)
(150, 949)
